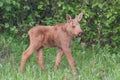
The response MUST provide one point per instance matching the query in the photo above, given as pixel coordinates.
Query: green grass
(100, 63)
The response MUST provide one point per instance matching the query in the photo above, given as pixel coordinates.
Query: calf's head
(73, 26)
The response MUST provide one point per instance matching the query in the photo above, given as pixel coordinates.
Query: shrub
(100, 23)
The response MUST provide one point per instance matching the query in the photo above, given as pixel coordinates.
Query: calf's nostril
(81, 33)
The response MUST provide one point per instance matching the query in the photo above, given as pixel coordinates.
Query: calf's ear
(68, 17)
(79, 17)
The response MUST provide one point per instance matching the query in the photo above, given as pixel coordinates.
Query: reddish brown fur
(59, 36)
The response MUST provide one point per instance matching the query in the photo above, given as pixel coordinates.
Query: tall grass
(93, 63)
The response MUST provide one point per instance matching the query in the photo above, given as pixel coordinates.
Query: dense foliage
(100, 23)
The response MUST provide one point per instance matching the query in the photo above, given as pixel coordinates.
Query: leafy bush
(100, 22)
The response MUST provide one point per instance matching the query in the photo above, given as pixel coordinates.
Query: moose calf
(59, 36)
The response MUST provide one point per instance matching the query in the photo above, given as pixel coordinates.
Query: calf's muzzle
(80, 33)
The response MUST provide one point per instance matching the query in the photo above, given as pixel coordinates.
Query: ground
(93, 63)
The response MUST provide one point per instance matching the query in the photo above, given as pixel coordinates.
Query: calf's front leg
(70, 59)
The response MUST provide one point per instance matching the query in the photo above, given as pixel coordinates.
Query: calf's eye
(73, 26)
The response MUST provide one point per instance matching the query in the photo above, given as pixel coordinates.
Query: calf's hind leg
(39, 58)
(25, 55)
(58, 59)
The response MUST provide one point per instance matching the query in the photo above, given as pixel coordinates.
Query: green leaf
(94, 5)
(26, 7)
(37, 14)
(109, 14)
(1, 4)
(100, 5)
(6, 25)
(8, 8)
(40, 7)
(14, 3)
(8, 1)
(60, 3)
